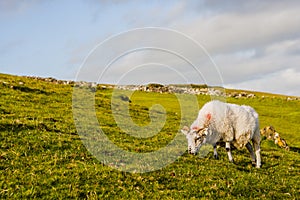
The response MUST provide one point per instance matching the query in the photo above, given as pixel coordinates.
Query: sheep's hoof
(216, 157)
(231, 161)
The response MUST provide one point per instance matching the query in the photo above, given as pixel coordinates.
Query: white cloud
(282, 82)
(151, 45)
(254, 43)
(229, 32)
(238, 67)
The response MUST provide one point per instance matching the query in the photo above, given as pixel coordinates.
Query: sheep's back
(244, 125)
(221, 126)
(229, 122)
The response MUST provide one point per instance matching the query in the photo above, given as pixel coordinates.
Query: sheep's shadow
(295, 149)
(244, 167)
(266, 166)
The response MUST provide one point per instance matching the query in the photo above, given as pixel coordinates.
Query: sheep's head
(269, 132)
(195, 138)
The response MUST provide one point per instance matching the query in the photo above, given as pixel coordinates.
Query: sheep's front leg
(215, 152)
(227, 146)
(250, 149)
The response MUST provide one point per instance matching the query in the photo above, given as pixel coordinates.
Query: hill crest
(195, 89)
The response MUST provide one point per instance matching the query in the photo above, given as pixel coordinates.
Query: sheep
(271, 134)
(224, 122)
(268, 132)
(281, 142)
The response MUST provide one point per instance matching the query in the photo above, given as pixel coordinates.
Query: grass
(42, 155)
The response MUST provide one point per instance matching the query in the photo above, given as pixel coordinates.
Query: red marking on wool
(208, 116)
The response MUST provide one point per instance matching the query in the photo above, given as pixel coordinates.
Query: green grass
(42, 155)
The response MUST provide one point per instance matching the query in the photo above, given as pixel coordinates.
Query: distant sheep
(281, 142)
(230, 123)
(269, 132)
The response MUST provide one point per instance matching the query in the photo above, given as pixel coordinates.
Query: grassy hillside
(42, 155)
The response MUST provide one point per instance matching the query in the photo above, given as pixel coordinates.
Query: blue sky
(254, 44)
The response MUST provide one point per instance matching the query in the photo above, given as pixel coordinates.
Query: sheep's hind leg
(215, 152)
(227, 146)
(256, 145)
(252, 155)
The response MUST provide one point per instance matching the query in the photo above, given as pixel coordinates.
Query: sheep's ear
(185, 130)
(208, 116)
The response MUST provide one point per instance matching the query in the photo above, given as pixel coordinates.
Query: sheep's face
(269, 132)
(195, 138)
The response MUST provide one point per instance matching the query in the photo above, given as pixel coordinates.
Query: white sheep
(230, 123)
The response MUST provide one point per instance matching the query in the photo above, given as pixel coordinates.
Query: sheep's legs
(215, 152)
(227, 146)
(250, 149)
(257, 153)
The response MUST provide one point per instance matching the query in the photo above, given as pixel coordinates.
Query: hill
(43, 156)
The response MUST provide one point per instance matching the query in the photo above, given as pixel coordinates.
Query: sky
(253, 45)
